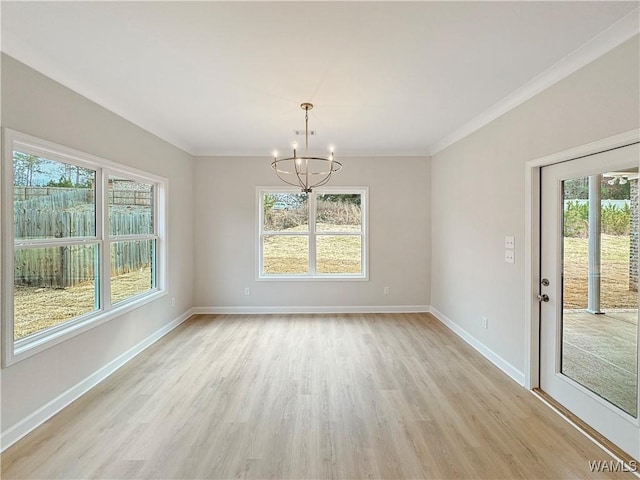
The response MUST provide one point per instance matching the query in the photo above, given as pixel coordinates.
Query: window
(316, 235)
(85, 243)
(132, 242)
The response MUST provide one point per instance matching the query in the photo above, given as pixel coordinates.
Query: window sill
(313, 278)
(29, 346)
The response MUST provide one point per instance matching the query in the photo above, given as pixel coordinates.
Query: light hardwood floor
(306, 396)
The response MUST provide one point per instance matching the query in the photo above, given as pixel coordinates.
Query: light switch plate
(509, 256)
(509, 242)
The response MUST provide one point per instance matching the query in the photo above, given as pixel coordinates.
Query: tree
(62, 182)
(578, 189)
(616, 191)
(82, 177)
(353, 198)
(25, 166)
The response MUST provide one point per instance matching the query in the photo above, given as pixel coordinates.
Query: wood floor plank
(349, 396)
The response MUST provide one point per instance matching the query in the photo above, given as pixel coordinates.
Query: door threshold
(612, 449)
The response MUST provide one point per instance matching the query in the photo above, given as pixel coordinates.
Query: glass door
(589, 291)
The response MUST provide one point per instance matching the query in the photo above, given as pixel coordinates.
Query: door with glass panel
(589, 291)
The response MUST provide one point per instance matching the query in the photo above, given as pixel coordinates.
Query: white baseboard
(37, 418)
(311, 309)
(489, 354)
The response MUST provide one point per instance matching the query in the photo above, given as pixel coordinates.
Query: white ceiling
(386, 78)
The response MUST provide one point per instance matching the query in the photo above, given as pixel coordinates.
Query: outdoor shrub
(338, 212)
(279, 220)
(615, 220)
(576, 219)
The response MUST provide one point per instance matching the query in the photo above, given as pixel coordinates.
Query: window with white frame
(315, 235)
(85, 243)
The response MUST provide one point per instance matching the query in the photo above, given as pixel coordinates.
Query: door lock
(545, 282)
(543, 298)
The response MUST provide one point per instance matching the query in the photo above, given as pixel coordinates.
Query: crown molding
(607, 40)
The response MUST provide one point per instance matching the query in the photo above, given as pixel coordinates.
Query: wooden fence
(22, 193)
(57, 267)
(130, 197)
(52, 194)
(61, 267)
(69, 213)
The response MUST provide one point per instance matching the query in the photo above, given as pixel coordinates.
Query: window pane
(285, 254)
(339, 254)
(130, 207)
(132, 268)
(53, 286)
(338, 213)
(600, 351)
(52, 199)
(285, 212)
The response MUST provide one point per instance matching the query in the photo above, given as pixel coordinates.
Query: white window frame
(312, 234)
(16, 350)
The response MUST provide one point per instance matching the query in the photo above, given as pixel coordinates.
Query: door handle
(543, 298)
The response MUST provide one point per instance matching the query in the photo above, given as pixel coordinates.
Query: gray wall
(477, 194)
(36, 105)
(226, 243)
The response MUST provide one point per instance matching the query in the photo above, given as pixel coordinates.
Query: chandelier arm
(273, 164)
(323, 182)
(301, 182)
(291, 183)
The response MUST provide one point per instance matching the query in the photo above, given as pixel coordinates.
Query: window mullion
(54, 242)
(133, 237)
(102, 206)
(312, 233)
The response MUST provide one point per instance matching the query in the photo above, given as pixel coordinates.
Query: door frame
(532, 241)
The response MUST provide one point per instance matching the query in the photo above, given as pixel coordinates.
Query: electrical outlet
(386, 290)
(485, 322)
(509, 242)
(509, 256)
(173, 301)
(247, 291)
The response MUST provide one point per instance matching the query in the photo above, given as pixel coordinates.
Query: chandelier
(305, 171)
